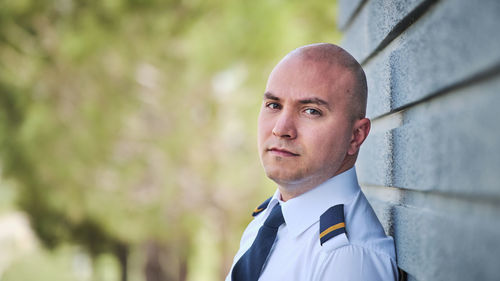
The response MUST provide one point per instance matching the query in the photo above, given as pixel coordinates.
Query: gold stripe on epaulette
(331, 228)
(257, 210)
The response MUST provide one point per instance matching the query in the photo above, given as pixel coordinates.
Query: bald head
(334, 57)
(311, 122)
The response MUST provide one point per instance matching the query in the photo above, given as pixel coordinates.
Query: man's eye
(312, 111)
(273, 105)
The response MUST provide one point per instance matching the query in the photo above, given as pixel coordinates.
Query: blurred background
(128, 132)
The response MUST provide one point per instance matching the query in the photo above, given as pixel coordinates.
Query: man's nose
(285, 126)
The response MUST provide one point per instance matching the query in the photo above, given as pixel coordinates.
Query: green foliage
(123, 122)
(42, 266)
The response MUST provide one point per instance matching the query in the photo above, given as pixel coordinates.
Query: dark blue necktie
(249, 266)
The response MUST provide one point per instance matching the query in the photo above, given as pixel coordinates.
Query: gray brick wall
(431, 165)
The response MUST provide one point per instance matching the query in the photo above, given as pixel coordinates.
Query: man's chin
(283, 178)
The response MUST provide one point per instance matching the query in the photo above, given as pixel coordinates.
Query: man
(318, 225)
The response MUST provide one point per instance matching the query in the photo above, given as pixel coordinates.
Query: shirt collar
(303, 211)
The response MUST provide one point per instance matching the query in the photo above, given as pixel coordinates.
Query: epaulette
(332, 224)
(261, 207)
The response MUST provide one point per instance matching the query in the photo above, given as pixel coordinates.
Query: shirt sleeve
(356, 263)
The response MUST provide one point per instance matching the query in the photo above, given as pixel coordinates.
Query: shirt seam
(378, 252)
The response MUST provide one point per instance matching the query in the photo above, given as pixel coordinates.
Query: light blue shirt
(365, 253)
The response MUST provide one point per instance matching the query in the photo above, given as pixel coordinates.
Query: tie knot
(275, 219)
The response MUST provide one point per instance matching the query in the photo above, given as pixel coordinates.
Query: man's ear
(360, 131)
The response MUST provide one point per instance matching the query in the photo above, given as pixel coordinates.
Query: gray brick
(346, 11)
(458, 32)
(375, 21)
(374, 161)
(452, 238)
(411, 278)
(441, 164)
(378, 76)
(454, 41)
(450, 143)
(433, 246)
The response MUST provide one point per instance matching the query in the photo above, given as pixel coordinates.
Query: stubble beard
(290, 177)
(295, 179)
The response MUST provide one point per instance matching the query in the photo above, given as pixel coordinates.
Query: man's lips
(281, 152)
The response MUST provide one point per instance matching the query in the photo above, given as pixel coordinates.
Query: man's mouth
(281, 152)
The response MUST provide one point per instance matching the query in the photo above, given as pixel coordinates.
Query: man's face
(304, 126)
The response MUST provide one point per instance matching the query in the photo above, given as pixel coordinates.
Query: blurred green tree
(128, 125)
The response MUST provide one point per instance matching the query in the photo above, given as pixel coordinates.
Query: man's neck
(295, 189)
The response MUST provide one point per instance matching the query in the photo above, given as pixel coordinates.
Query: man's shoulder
(356, 224)
(259, 209)
(363, 252)
(364, 229)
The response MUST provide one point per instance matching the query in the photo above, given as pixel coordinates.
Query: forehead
(297, 78)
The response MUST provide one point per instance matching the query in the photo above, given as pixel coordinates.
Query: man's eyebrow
(315, 100)
(270, 96)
